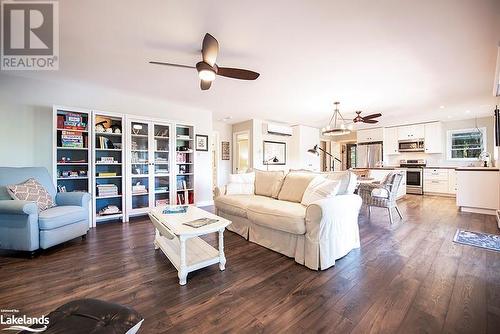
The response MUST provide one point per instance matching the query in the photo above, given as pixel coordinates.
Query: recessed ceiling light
(441, 107)
(467, 111)
(227, 118)
(449, 116)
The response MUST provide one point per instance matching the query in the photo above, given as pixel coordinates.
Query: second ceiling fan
(208, 69)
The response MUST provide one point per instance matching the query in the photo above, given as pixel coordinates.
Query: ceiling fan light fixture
(206, 75)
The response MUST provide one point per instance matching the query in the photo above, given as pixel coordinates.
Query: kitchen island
(478, 189)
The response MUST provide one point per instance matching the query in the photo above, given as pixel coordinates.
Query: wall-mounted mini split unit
(279, 129)
(496, 86)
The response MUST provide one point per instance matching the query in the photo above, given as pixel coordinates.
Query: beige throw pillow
(318, 189)
(295, 185)
(31, 190)
(268, 183)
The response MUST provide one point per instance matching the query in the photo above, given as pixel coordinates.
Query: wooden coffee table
(182, 244)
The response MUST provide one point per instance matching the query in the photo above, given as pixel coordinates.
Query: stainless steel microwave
(411, 145)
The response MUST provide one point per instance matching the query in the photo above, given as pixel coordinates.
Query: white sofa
(315, 235)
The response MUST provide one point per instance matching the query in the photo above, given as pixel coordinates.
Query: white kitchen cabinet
(440, 181)
(391, 141)
(370, 135)
(415, 131)
(433, 137)
(452, 181)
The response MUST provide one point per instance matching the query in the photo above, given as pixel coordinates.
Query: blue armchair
(23, 228)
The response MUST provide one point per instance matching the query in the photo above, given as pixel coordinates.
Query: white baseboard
(205, 203)
(478, 210)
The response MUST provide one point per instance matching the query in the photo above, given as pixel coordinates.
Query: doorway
(241, 152)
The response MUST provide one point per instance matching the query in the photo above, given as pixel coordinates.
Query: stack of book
(71, 139)
(106, 190)
(139, 189)
(71, 121)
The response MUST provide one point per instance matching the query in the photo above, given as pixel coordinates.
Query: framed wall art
(201, 143)
(274, 153)
(225, 151)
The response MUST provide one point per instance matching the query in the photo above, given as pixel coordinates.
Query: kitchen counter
(478, 169)
(382, 168)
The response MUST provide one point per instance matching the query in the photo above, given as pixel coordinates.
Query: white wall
(441, 159)
(225, 132)
(26, 120)
(303, 139)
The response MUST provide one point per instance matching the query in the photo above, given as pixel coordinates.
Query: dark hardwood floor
(408, 278)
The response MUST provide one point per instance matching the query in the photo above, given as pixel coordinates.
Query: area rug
(478, 239)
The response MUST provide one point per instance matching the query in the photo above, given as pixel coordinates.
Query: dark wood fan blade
(209, 49)
(372, 116)
(371, 121)
(170, 64)
(204, 85)
(237, 73)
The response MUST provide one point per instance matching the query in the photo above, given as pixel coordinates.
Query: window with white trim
(466, 144)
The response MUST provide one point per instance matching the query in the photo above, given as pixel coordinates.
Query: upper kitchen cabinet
(370, 135)
(415, 131)
(391, 141)
(433, 137)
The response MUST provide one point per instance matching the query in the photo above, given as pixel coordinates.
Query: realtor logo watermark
(18, 323)
(30, 35)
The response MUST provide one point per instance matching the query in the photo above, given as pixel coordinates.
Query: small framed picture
(201, 143)
(225, 150)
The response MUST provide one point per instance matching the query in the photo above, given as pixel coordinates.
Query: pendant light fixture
(337, 125)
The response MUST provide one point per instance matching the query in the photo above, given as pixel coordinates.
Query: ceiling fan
(366, 119)
(208, 69)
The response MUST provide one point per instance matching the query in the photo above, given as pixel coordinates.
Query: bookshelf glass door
(161, 165)
(140, 164)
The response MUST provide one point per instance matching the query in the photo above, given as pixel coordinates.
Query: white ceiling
(403, 58)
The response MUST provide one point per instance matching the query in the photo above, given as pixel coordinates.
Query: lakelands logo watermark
(30, 35)
(18, 323)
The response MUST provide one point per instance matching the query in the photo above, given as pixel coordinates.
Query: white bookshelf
(108, 143)
(148, 156)
(71, 161)
(184, 164)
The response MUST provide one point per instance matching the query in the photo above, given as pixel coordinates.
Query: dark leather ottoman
(84, 316)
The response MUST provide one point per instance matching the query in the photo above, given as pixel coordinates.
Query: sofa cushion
(318, 189)
(268, 183)
(279, 215)
(295, 185)
(31, 190)
(237, 204)
(60, 216)
(347, 180)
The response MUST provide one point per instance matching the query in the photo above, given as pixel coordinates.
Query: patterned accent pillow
(320, 188)
(31, 190)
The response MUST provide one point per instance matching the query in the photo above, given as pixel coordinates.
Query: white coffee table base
(190, 253)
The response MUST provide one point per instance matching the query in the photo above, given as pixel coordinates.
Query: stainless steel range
(414, 175)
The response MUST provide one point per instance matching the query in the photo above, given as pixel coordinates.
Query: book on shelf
(183, 137)
(104, 190)
(107, 174)
(105, 143)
